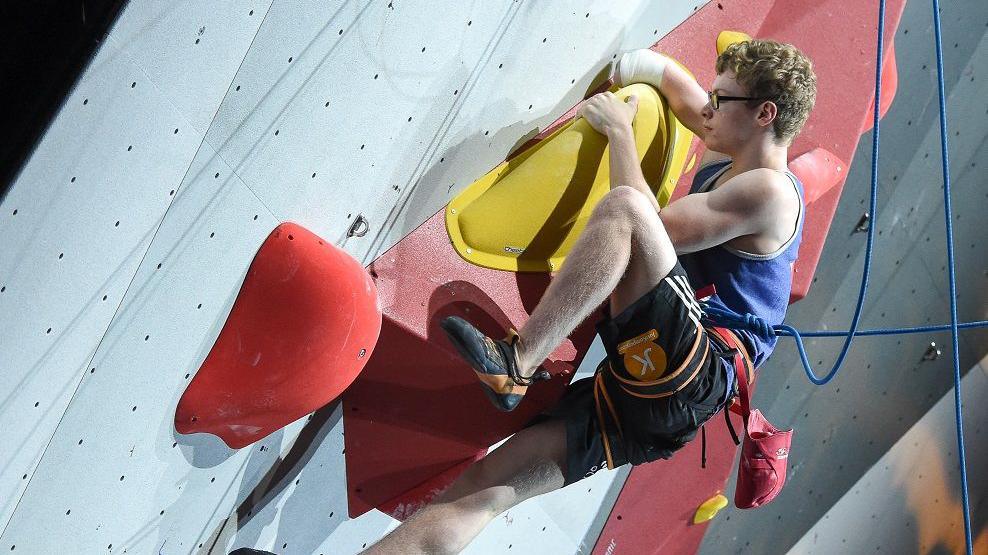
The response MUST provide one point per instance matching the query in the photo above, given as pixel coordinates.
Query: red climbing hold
(890, 83)
(821, 172)
(302, 328)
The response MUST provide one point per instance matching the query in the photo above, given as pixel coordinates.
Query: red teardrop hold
(302, 328)
(821, 172)
(890, 83)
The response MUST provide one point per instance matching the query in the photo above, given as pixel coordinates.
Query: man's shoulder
(760, 185)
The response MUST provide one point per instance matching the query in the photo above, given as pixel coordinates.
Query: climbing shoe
(493, 360)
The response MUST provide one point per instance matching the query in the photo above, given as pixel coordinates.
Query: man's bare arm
(625, 168)
(744, 205)
(612, 117)
(685, 96)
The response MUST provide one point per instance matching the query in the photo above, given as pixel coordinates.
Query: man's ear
(767, 113)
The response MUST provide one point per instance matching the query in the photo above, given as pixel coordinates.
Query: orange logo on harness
(643, 358)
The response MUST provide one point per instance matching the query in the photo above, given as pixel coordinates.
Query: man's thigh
(652, 257)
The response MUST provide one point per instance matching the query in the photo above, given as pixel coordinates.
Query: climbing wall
(195, 130)
(198, 128)
(108, 304)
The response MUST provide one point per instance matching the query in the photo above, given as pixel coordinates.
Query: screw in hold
(932, 352)
(862, 223)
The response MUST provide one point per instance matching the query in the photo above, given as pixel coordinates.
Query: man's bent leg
(652, 258)
(530, 463)
(623, 250)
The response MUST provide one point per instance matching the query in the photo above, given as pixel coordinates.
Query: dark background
(44, 46)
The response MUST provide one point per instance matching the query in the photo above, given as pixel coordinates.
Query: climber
(665, 374)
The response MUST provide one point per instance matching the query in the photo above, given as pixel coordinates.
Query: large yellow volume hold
(526, 214)
(709, 508)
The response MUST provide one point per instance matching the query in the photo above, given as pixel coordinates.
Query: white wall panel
(302, 502)
(79, 218)
(397, 107)
(116, 472)
(189, 50)
(76, 225)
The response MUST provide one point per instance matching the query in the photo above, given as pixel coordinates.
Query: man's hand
(606, 113)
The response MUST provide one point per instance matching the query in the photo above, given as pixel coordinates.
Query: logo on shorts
(593, 469)
(643, 358)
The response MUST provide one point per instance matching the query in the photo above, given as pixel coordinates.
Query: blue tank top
(746, 282)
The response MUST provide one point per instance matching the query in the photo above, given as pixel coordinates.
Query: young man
(739, 229)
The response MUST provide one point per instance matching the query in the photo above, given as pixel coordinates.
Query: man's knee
(443, 527)
(627, 202)
(631, 208)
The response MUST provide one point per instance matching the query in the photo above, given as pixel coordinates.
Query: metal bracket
(356, 223)
(863, 223)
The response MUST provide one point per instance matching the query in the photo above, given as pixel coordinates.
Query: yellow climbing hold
(709, 508)
(525, 214)
(727, 38)
(690, 164)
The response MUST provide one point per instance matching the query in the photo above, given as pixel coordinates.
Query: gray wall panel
(908, 501)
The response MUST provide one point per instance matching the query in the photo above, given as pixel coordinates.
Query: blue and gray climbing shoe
(493, 360)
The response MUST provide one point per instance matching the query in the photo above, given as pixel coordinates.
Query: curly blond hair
(778, 72)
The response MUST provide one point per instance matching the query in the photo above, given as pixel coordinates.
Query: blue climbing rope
(953, 288)
(752, 323)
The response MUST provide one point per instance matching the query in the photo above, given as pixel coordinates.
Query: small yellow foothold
(709, 508)
(727, 38)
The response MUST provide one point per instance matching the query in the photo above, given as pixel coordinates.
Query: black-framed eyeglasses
(716, 99)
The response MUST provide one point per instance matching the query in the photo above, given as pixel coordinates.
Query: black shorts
(653, 340)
